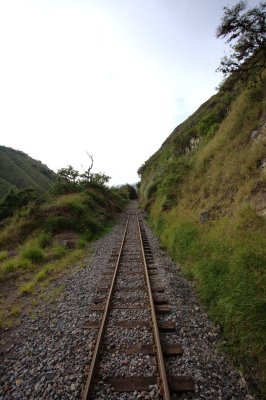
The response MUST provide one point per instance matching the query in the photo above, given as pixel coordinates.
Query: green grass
(225, 255)
(3, 255)
(82, 242)
(14, 267)
(43, 239)
(15, 311)
(227, 260)
(31, 257)
(26, 288)
(33, 254)
(17, 168)
(50, 272)
(59, 251)
(43, 273)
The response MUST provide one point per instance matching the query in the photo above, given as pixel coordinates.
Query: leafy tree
(70, 180)
(99, 178)
(66, 181)
(88, 177)
(245, 31)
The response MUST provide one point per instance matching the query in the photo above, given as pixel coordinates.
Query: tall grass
(227, 260)
(225, 255)
(3, 255)
(14, 267)
(33, 253)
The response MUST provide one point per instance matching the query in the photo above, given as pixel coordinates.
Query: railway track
(134, 334)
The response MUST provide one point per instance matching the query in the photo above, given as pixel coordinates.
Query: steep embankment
(205, 193)
(45, 239)
(20, 170)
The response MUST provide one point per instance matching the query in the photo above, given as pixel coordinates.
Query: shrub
(173, 175)
(59, 224)
(151, 189)
(15, 199)
(33, 254)
(206, 123)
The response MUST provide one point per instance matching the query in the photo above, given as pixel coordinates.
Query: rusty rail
(163, 383)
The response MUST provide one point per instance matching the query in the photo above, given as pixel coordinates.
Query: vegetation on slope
(44, 237)
(19, 170)
(205, 193)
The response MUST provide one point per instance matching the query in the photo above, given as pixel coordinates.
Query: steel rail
(89, 382)
(160, 359)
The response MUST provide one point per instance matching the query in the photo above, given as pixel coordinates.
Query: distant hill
(20, 170)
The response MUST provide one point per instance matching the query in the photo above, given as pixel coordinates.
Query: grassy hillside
(205, 193)
(46, 239)
(20, 170)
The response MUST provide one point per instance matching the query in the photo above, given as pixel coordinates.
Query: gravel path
(50, 354)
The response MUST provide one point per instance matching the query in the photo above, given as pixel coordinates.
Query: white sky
(111, 77)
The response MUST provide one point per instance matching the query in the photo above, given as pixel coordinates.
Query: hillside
(47, 239)
(205, 193)
(20, 170)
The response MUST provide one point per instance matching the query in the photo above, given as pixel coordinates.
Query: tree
(245, 31)
(66, 181)
(88, 177)
(99, 178)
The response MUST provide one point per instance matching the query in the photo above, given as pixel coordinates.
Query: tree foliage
(70, 180)
(66, 181)
(16, 199)
(245, 31)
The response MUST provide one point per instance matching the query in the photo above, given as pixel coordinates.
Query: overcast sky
(110, 77)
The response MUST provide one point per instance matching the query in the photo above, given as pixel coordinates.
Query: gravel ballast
(49, 355)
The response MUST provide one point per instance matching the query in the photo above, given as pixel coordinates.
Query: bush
(58, 224)
(15, 199)
(173, 175)
(33, 254)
